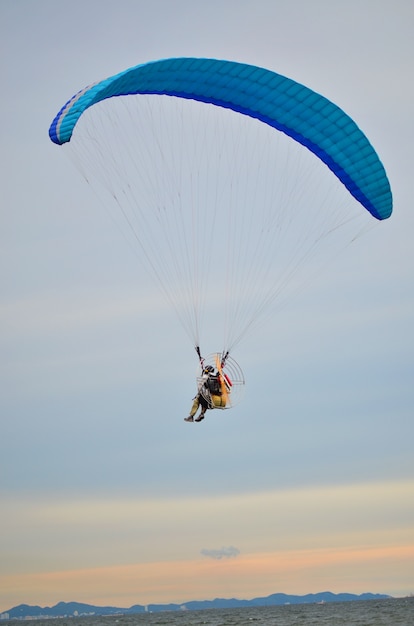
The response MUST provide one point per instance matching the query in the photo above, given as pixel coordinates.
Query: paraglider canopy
(301, 113)
(204, 196)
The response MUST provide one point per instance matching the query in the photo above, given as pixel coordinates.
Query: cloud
(222, 553)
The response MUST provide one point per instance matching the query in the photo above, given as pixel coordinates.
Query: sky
(107, 496)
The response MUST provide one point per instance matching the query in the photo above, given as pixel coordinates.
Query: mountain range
(78, 609)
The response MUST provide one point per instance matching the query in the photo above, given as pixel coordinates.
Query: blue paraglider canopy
(280, 102)
(228, 215)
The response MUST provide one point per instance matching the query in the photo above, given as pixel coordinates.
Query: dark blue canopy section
(288, 106)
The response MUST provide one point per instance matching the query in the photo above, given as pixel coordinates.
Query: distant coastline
(78, 609)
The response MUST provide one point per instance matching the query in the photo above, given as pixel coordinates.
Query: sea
(389, 612)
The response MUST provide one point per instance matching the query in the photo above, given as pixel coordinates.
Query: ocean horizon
(381, 612)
